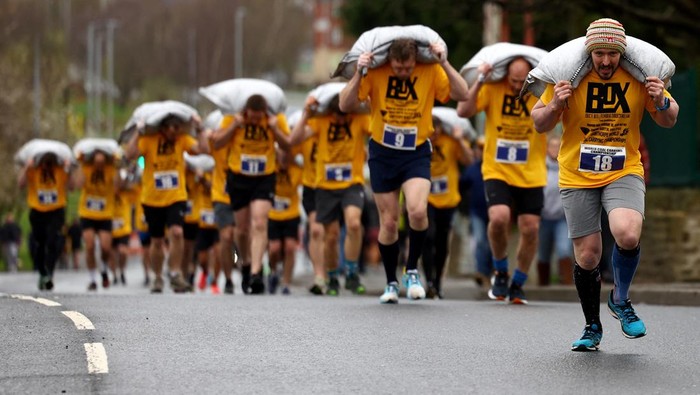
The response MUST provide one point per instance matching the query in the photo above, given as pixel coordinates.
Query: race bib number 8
(338, 172)
(47, 196)
(166, 180)
(512, 151)
(95, 204)
(403, 138)
(601, 159)
(253, 164)
(438, 185)
(281, 203)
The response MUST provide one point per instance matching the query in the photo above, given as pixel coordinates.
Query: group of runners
(249, 201)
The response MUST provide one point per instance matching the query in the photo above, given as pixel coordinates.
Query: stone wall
(671, 236)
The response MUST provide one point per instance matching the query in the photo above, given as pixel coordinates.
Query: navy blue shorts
(390, 168)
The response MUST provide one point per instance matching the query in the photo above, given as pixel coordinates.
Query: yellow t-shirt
(600, 143)
(309, 150)
(286, 203)
(218, 182)
(46, 192)
(340, 156)
(204, 204)
(513, 151)
(191, 212)
(97, 195)
(444, 172)
(402, 109)
(121, 221)
(164, 173)
(252, 147)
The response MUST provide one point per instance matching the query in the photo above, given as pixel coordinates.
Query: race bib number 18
(403, 138)
(601, 159)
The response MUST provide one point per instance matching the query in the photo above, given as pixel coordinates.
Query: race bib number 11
(601, 159)
(253, 164)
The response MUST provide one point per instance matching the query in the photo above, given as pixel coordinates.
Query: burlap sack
(85, 148)
(499, 56)
(37, 148)
(378, 40)
(449, 119)
(230, 96)
(201, 162)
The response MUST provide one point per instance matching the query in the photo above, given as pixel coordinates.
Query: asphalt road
(205, 343)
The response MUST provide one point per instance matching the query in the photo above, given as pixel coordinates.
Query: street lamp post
(238, 41)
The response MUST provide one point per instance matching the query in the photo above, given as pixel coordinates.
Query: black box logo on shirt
(606, 98)
(514, 107)
(339, 132)
(255, 133)
(401, 89)
(166, 147)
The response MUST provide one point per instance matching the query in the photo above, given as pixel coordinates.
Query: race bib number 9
(512, 151)
(339, 172)
(47, 197)
(438, 185)
(166, 180)
(207, 217)
(281, 203)
(403, 138)
(93, 203)
(253, 164)
(601, 159)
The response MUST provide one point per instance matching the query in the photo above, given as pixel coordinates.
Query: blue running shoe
(590, 340)
(391, 294)
(414, 289)
(499, 286)
(632, 326)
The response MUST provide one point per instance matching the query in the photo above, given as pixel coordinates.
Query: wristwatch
(667, 104)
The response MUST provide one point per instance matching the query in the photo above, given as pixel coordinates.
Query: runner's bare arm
(545, 117)
(222, 135)
(348, 96)
(664, 116)
(458, 86)
(301, 131)
(467, 108)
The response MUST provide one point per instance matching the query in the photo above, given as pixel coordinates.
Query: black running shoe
(516, 295)
(352, 283)
(105, 280)
(257, 286)
(245, 279)
(499, 286)
(228, 287)
(316, 290)
(273, 281)
(123, 278)
(333, 287)
(92, 286)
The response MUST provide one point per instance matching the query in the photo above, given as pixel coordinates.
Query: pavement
(465, 288)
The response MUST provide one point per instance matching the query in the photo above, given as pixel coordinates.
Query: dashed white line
(96, 358)
(81, 322)
(45, 302)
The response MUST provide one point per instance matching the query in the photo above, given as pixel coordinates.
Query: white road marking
(96, 358)
(81, 322)
(45, 302)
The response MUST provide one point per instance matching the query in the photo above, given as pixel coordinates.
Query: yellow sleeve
(442, 85)
(548, 94)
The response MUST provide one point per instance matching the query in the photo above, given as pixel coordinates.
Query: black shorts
(279, 230)
(206, 238)
(145, 238)
(244, 189)
(120, 241)
(522, 200)
(190, 231)
(308, 200)
(159, 218)
(389, 168)
(96, 225)
(331, 203)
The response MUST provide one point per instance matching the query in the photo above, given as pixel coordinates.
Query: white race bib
(117, 223)
(400, 137)
(512, 151)
(281, 203)
(339, 172)
(601, 158)
(188, 210)
(253, 164)
(207, 216)
(166, 180)
(438, 185)
(94, 203)
(47, 196)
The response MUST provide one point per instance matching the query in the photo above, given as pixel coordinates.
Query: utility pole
(37, 85)
(98, 83)
(89, 78)
(111, 89)
(238, 39)
(192, 64)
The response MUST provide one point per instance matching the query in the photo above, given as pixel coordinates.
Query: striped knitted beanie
(606, 33)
